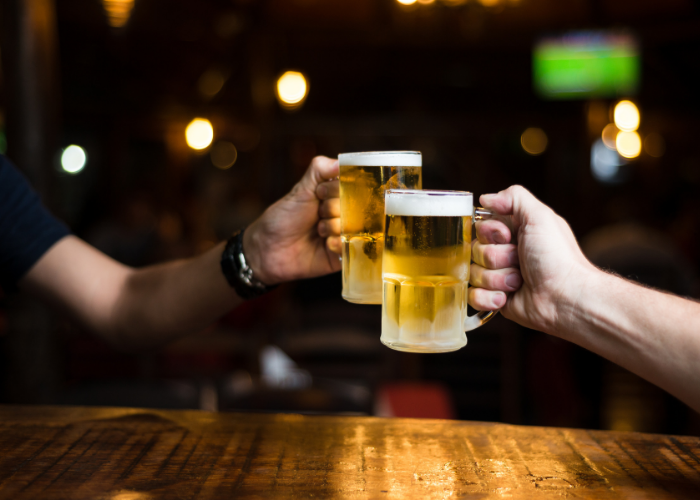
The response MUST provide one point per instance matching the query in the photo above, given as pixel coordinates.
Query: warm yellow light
(118, 11)
(406, 2)
(626, 116)
(609, 136)
(426, 2)
(489, 3)
(628, 144)
(534, 141)
(199, 133)
(223, 155)
(291, 89)
(654, 145)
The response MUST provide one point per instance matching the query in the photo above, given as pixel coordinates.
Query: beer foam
(382, 159)
(428, 203)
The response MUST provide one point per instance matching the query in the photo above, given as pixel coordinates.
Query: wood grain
(130, 454)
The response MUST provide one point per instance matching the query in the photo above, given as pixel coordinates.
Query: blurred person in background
(651, 333)
(297, 237)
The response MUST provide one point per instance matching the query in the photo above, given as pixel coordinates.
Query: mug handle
(482, 317)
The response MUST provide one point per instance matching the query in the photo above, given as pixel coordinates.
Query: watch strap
(237, 271)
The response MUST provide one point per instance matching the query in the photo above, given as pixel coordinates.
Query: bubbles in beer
(362, 190)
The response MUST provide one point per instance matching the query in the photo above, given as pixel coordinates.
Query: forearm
(653, 334)
(129, 307)
(163, 302)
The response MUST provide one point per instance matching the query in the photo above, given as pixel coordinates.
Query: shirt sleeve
(27, 229)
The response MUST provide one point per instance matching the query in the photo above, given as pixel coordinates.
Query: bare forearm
(653, 334)
(132, 307)
(163, 302)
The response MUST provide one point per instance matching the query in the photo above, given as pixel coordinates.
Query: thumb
(320, 170)
(511, 201)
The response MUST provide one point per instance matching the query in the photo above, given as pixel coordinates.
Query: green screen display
(586, 64)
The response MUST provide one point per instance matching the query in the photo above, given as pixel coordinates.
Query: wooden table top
(132, 454)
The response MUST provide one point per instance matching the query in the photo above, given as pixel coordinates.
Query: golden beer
(426, 262)
(363, 179)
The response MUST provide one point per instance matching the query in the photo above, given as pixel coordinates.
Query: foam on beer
(381, 159)
(421, 203)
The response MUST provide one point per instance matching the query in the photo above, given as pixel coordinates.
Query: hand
(551, 263)
(298, 236)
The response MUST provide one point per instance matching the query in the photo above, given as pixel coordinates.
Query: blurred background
(156, 128)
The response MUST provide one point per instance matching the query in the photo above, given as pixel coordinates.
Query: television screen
(585, 64)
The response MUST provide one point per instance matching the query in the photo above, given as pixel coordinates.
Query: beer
(426, 270)
(363, 179)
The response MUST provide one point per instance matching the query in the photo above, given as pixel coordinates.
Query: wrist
(237, 270)
(253, 250)
(581, 292)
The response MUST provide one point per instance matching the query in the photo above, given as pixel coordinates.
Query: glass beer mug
(363, 179)
(427, 253)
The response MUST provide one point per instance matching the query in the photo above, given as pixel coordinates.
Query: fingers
(505, 280)
(329, 189)
(334, 244)
(495, 256)
(329, 209)
(493, 231)
(328, 227)
(486, 300)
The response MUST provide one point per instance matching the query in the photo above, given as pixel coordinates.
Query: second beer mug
(426, 261)
(363, 179)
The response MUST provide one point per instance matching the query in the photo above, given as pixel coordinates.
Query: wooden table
(130, 454)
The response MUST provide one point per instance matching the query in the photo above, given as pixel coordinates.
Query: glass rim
(428, 192)
(365, 153)
(379, 158)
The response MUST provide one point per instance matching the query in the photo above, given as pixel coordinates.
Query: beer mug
(363, 179)
(426, 260)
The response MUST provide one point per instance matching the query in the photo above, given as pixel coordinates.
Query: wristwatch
(237, 271)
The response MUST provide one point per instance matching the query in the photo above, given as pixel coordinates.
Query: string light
(199, 133)
(292, 89)
(628, 144)
(534, 141)
(626, 116)
(73, 159)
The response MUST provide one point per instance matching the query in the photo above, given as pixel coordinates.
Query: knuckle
(517, 190)
(490, 256)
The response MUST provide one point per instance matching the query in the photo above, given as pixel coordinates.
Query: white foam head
(419, 203)
(382, 159)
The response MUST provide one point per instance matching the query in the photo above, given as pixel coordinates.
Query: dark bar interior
(462, 81)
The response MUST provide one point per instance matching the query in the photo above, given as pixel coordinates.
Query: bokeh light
(406, 2)
(291, 89)
(223, 155)
(609, 136)
(118, 11)
(489, 3)
(654, 145)
(605, 163)
(628, 144)
(426, 2)
(199, 133)
(73, 159)
(211, 82)
(534, 141)
(626, 116)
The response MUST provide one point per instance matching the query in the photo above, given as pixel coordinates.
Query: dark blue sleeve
(27, 229)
